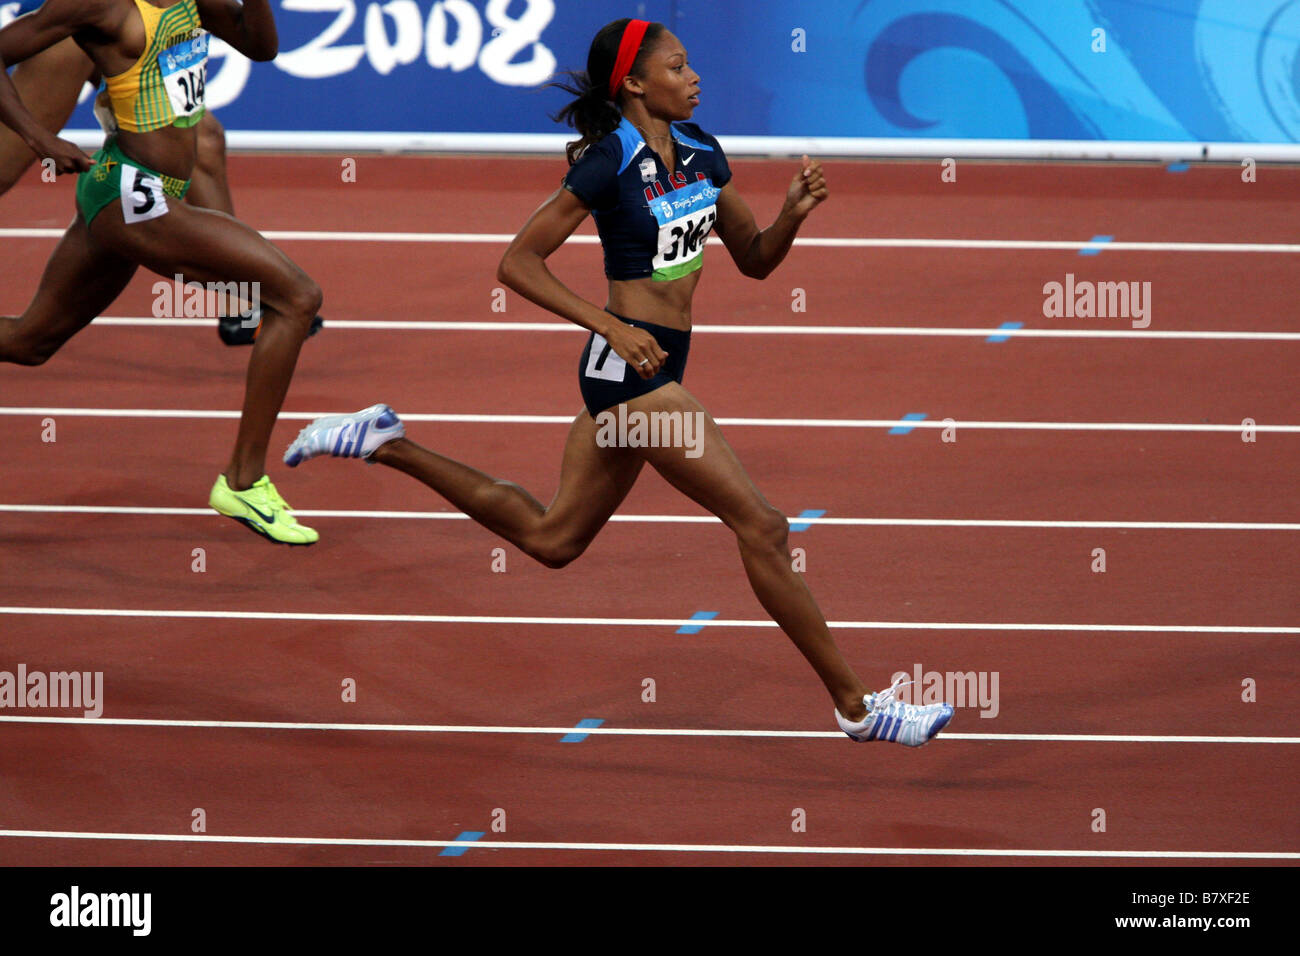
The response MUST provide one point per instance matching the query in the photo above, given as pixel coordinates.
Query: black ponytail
(593, 114)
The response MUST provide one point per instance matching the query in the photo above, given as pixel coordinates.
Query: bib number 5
(142, 196)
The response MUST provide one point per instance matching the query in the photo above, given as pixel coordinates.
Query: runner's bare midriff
(662, 303)
(172, 151)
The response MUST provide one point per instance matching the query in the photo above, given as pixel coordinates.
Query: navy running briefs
(606, 380)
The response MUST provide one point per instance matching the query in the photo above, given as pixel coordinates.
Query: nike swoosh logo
(269, 519)
(687, 160)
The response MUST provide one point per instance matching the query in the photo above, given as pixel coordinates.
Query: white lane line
(697, 519)
(415, 325)
(829, 242)
(480, 845)
(628, 621)
(625, 731)
(485, 419)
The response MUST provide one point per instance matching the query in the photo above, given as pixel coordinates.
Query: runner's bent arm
(55, 21)
(248, 27)
(523, 268)
(757, 253)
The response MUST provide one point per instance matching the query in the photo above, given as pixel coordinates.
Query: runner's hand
(67, 157)
(635, 347)
(808, 189)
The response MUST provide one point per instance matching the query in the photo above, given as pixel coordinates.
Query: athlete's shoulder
(85, 9)
(52, 10)
(105, 16)
(619, 146)
(595, 174)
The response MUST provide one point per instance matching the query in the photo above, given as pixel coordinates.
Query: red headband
(633, 34)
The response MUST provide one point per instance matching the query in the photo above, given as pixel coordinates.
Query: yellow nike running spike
(262, 509)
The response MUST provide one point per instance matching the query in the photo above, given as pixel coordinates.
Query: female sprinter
(656, 185)
(49, 84)
(129, 214)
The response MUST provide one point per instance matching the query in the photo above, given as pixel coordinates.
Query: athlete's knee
(27, 353)
(559, 554)
(555, 551)
(310, 297)
(768, 529)
(302, 302)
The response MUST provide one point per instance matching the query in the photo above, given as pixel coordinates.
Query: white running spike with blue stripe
(889, 719)
(346, 436)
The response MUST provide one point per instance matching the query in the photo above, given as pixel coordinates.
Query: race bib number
(604, 362)
(185, 74)
(142, 195)
(685, 217)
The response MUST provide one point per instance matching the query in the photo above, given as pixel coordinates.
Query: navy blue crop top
(651, 223)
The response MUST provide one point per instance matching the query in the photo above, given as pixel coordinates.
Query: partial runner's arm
(56, 20)
(756, 253)
(249, 27)
(523, 268)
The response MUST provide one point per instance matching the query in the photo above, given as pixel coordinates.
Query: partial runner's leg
(209, 187)
(593, 483)
(80, 281)
(717, 481)
(204, 246)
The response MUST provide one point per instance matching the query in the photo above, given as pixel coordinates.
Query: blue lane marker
(1095, 249)
(579, 738)
(907, 429)
(805, 525)
(467, 837)
(697, 616)
(1005, 325)
(1177, 168)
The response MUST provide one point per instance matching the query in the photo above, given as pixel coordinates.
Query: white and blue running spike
(889, 719)
(346, 436)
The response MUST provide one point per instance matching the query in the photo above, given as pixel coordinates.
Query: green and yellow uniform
(164, 87)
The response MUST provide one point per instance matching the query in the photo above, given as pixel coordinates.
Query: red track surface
(611, 789)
